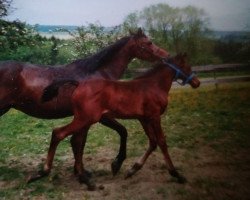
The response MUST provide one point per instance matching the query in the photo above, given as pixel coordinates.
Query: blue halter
(179, 73)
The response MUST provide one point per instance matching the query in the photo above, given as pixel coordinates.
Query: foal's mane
(97, 60)
(154, 69)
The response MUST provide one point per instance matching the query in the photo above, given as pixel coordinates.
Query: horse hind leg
(58, 135)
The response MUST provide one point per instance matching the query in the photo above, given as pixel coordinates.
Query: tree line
(175, 29)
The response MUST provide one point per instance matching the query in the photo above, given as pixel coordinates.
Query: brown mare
(144, 98)
(22, 85)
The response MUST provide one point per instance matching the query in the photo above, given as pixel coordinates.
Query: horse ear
(140, 32)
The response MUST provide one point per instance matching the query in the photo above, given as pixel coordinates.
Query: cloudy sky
(223, 14)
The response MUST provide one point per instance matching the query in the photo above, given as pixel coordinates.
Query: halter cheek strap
(189, 78)
(179, 73)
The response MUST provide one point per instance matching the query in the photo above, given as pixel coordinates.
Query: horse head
(183, 70)
(143, 48)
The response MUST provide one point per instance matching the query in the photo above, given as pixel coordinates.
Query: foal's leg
(152, 146)
(58, 135)
(78, 141)
(161, 141)
(121, 130)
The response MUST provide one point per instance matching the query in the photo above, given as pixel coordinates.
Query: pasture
(207, 132)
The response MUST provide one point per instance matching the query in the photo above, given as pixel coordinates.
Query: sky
(227, 15)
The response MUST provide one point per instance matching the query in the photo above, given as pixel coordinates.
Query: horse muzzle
(195, 83)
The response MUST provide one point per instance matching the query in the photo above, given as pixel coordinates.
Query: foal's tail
(51, 91)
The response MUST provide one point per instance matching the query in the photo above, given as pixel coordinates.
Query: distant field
(208, 136)
(60, 35)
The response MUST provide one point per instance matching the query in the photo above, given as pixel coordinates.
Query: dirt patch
(210, 176)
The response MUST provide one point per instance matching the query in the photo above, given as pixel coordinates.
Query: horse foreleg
(121, 130)
(161, 141)
(152, 146)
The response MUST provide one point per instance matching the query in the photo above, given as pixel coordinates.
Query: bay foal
(144, 98)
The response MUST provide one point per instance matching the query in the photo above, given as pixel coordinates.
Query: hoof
(91, 186)
(34, 177)
(85, 179)
(180, 179)
(133, 170)
(116, 166)
(129, 173)
(85, 172)
(88, 173)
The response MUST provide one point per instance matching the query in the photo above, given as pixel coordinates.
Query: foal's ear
(140, 32)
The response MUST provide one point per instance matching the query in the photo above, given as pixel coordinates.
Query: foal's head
(143, 48)
(185, 73)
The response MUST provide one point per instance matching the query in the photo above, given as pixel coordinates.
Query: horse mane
(97, 60)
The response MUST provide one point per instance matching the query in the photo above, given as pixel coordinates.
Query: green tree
(5, 6)
(131, 22)
(91, 38)
(176, 29)
(54, 51)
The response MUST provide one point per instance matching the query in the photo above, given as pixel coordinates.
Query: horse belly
(30, 103)
(50, 110)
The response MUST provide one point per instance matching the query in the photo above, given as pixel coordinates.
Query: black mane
(95, 61)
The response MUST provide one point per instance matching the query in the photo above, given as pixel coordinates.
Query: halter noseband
(178, 73)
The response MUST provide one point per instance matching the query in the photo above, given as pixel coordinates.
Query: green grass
(218, 117)
(216, 74)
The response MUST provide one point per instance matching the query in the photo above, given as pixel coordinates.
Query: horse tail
(51, 90)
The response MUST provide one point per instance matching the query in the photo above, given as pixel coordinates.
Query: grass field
(208, 133)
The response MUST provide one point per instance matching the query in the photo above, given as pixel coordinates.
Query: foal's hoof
(86, 180)
(116, 166)
(33, 177)
(85, 172)
(91, 186)
(180, 179)
(133, 170)
(129, 173)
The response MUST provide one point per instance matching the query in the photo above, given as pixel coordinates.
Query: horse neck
(115, 68)
(161, 77)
